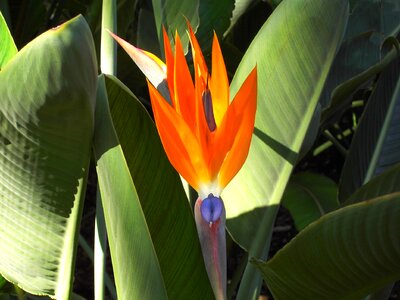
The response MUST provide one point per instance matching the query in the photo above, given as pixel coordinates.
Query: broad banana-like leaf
(136, 269)
(375, 144)
(346, 254)
(165, 206)
(8, 48)
(309, 196)
(47, 95)
(293, 52)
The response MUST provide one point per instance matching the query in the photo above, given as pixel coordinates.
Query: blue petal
(211, 208)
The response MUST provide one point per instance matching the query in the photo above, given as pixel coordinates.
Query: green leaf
(8, 48)
(385, 183)
(171, 14)
(288, 91)
(136, 269)
(342, 95)
(356, 55)
(214, 17)
(290, 80)
(46, 127)
(309, 196)
(344, 255)
(370, 23)
(240, 7)
(2, 282)
(371, 15)
(375, 145)
(147, 33)
(165, 206)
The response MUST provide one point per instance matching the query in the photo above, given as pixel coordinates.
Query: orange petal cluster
(205, 137)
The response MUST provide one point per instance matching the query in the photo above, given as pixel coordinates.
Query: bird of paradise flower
(205, 137)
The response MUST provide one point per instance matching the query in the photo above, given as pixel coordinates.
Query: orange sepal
(198, 58)
(169, 60)
(183, 86)
(219, 84)
(241, 111)
(200, 76)
(180, 145)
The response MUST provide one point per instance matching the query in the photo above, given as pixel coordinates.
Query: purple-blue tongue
(211, 208)
(208, 110)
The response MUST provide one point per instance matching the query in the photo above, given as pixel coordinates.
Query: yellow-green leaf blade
(8, 48)
(135, 264)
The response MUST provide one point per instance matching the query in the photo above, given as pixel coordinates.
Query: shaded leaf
(341, 97)
(309, 196)
(240, 7)
(171, 14)
(370, 23)
(371, 15)
(375, 144)
(2, 282)
(356, 55)
(344, 255)
(214, 16)
(385, 183)
(30, 21)
(46, 127)
(147, 33)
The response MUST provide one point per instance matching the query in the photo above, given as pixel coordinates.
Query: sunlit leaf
(136, 269)
(290, 80)
(46, 127)
(165, 206)
(288, 91)
(8, 48)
